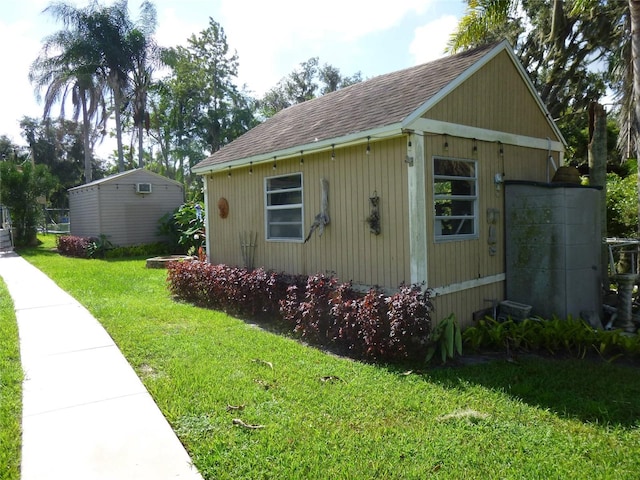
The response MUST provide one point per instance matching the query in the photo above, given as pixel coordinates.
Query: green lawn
(329, 417)
(10, 390)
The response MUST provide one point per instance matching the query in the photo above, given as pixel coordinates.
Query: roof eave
(386, 131)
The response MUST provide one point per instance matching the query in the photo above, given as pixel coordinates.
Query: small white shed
(125, 207)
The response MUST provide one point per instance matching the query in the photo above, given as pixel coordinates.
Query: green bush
(101, 247)
(144, 250)
(572, 336)
(184, 229)
(20, 190)
(622, 206)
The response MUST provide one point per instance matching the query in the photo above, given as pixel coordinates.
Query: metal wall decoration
(374, 214)
(248, 244)
(321, 218)
(492, 220)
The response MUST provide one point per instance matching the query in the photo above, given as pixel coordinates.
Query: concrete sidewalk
(86, 414)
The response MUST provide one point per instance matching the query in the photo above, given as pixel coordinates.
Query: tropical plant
(446, 338)
(146, 57)
(558, 42)
(622, 206)
(98, 247)
(185, 228)
(556, 336)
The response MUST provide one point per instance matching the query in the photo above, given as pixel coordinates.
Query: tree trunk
(140, 145)
(598, 176)
(88, 171)
(634, 13)
(117, 104)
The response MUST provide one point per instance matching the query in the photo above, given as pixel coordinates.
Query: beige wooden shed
(126, 207)
(408, 169)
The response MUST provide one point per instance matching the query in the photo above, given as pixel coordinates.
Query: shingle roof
(378, 102)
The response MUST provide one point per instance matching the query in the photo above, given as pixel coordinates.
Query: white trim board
(455, 130)
(466, 285)
(417, 193)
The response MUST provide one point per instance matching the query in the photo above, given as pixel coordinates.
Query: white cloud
(174, 30)
(264, 33)
(430, 40)
(21, 46)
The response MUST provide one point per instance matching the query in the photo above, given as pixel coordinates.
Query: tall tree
(146, 57)
(110, 40)
(558, 42)
(199, 100)
(634, 126)
(59, 145)
(303, 84)
(65, 70)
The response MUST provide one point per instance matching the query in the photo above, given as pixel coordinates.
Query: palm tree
(107, 29)
(69, 74)
(634, 126)
(112, 42)
(146, 56)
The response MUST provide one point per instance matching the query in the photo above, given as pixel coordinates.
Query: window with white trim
(283, 207)
(455, 199)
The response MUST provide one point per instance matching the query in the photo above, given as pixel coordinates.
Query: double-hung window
(283, 203)
(455, 199)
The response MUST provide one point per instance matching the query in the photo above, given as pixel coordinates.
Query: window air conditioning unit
(143, 188)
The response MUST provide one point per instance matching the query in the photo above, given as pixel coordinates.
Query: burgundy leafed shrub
(314, 322)
(371, 326)
(231, 289)
(345, 308)
(372, 316)
(72, 246)
(408, 312)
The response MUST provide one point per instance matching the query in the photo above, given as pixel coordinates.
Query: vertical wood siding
(495, 98)
(452, 262)
(485, 100)
(347, 248)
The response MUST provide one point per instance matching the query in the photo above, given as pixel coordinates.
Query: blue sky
(270, 37)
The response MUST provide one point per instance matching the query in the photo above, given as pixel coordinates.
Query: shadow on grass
(30, 252)
(591, 391)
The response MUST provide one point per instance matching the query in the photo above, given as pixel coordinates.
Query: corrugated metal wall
(113, 208)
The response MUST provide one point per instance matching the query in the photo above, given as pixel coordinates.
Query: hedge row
(89, 247)
(318, 308)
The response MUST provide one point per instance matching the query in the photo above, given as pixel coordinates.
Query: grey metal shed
(125, 207)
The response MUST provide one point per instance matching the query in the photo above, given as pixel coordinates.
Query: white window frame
(438, 219)
(269, 208)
